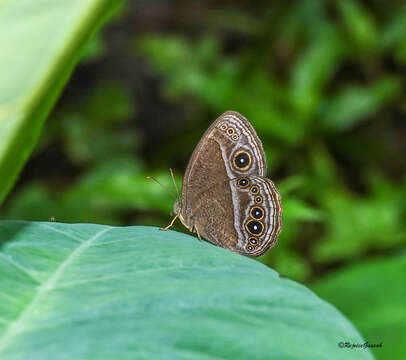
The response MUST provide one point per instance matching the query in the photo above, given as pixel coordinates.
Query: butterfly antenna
(174, 181)
(163, 186)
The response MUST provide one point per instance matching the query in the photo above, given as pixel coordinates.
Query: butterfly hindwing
(254, 222)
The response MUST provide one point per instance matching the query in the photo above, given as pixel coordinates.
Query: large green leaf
(373, 295)
(98, 292)
(40, 43)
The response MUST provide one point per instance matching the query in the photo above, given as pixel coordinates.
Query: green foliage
(354, 104)
(91, 131)
(373, 295)
(40, 42)
(109, 189)
(394, 36)
(359, 23)
(136, 292)
(308, 83)
(356, 224)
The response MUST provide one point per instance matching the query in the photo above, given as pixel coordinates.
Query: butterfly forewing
(228, 149)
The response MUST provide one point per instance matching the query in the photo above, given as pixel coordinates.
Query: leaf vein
(16, 326)
(20, 267)
(73, 237)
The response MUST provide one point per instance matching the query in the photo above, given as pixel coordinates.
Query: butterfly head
(177, 207)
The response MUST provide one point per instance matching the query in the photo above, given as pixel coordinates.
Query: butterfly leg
(197, 232)
(170, 224)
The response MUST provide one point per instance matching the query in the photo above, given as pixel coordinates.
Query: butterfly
(226, 198)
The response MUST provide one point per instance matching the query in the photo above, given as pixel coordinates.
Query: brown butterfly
(226, 197)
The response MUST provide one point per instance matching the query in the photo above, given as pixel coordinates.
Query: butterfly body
(226, 198)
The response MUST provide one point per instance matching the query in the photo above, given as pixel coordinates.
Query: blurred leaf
(93, 49)
(359, 24)
(109, 103)
(323, 170)
(103, 194)
(234, 20)
(313, 70)
(32, 203)
(354, 104)
(96, 130)
(120, 185)
(166, 52)
(298, 210)
(290, 184)
(218, 84)
(357, 224)
(291, 265)
(300, 19)
(158, 294)
(373, 295)
(394, 35)
(42, 42)
(382, 189)
(85, 145)
(36, 202)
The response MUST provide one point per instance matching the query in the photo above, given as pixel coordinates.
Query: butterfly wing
(251, 225)
(230, 148)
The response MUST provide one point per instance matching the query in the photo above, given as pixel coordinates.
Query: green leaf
(373, 295)
(201, 71)
(355, 103)
(357, 224)
(394, 35)
(167, 53)
(106, 191)
(109, 103)
(120, 184)
(291, 264)
(94, 49)
(299, 210)
(95, 129)
(41, 41)
(359, 23)
(96, 292)
(313, 70)
(395, 30)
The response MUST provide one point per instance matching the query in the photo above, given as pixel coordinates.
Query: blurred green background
(321, 81)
